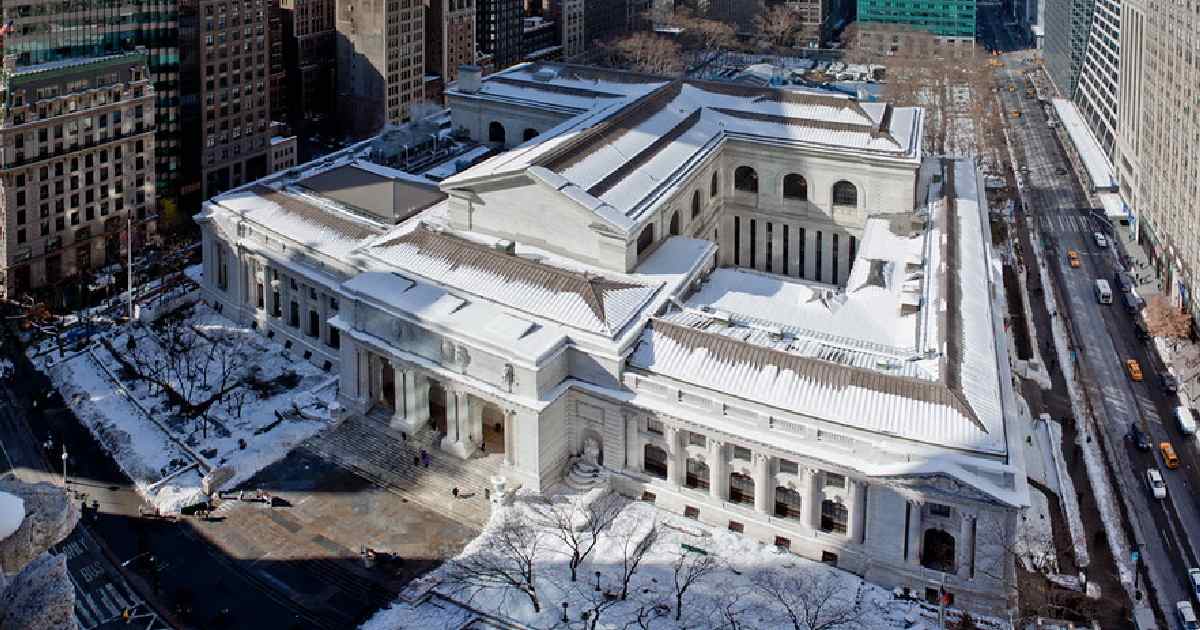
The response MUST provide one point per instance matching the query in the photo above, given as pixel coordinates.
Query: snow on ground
(438, 601)
(12, 514)
(165, 453)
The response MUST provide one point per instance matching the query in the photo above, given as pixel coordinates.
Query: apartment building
(449, 41)
(225, 64)
(310, 61)
(380, 62)
(48, 30)
(277, 73)
(498, 30)
(77, 166)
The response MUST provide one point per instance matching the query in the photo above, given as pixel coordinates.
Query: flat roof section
(382, 198)
(1099, 169)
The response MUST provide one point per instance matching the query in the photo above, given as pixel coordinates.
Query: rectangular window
(654, 426)
(789, 467)
(786, 260)
(817, 275)
(259, 295)
(800, 256)
(294, 315)
(741, 452)
(853, 253)
(314, 324)
(938, 509)
(696, 439)
(753, 244)
(835, 480)
(335, 339)
(835, 259)
(737, 241)
(770, 247)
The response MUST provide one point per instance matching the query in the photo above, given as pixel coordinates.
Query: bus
(1103, 292)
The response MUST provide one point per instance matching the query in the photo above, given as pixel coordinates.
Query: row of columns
(801, 260)
(764, 481)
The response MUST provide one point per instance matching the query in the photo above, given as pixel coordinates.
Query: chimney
(469, 78)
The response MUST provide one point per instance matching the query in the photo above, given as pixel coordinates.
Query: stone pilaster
(674, 457)
(966, 547)
(857, 496)
(718, 470)
(764, 483)
(914, 533)
(458, 434)
(813, 498)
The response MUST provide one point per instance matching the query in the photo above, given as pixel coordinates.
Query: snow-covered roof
(907, 349)
(1099, 168)
(580, 300)
(1113, 206)
(620, 155)
(561, 87)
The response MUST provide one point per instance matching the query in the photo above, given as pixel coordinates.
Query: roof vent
(545, 74)
(507, 247)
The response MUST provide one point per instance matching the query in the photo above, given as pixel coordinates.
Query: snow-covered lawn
(248, 401)
(735, 593)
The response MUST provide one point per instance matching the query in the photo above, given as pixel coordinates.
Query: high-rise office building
(449, 40)
(49, 30)
(76, 166)
(225, 73)
(309, 61)
(952, 20)
(277, 72)
(1068, 25)
(569, 15)
(498, 30)
(1160, 131)
(380, 62)
(1097, 88)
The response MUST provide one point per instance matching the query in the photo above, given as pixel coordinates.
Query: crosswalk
(1064, 223)
(102, 599)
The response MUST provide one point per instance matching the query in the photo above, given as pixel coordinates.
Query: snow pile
(733, 588)
(252, 402)
(12, 513)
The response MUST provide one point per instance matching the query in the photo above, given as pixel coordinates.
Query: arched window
(695, 204)
(715, 186)
(833, 517)
(845, 194)
(674, 224)
(645, 239)
(529, 134)
(496, 132)
(938, 551)
(654, 461)
(795, 187)
(745, 179)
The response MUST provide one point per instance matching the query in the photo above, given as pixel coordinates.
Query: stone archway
(938, 551)
(492, 418)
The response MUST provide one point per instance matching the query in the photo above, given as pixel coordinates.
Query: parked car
(1168, 382)
(1168, 454)
(1143, 332)
(1133, 301)
(1124, 280)
(1194, 578)
(1101, 240)
(1134, 368)
(1139, 438)
(1158, 487)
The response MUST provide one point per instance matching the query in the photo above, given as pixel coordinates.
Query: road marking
(91, 571)
(113, 611)
(118, 597)
(84, 616)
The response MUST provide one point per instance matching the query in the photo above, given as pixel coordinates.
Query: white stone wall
(476, 116)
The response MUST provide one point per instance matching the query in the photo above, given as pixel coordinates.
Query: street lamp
(597, 580)
(564, 605)
(64, 460)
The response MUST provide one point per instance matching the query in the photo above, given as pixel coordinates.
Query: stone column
(764, 483)
(810, 252)
(778, 264)
(795, 266)
(914, 533)
(416, 399)
(510, 438)
(760, 244)
(633, 443)
(812, 500)
(858, 492)
(674, 474)
(458, 414)
(744, 237)
(966, 547)
(718, 471)
(399, 409)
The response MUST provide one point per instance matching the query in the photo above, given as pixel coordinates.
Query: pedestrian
(416, 461)
(424, 458)
(454, 492)
(403, 436)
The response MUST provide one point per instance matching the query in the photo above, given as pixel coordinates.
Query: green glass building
(54, 30)
(946, 18)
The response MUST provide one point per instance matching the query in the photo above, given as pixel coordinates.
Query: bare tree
(730, 609)
(644, 51)
(635, 544)
(507, 562)
(1166, 320)
(777, 25)
(578, 525)
(688, 570)
(809, 600)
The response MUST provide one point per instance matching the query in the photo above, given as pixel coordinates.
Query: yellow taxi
(996, 63)
(1169, 456)
(1014, 114)
(1135, 369)
(1073, 258)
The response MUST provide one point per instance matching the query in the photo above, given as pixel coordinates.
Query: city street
(1105, 338)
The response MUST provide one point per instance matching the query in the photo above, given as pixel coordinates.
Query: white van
(1101, 240)
(1103, 291)
(1187, 423)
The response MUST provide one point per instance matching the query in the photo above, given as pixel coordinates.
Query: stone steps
(369, 447)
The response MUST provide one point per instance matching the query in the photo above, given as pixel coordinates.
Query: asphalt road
(1056, 198)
